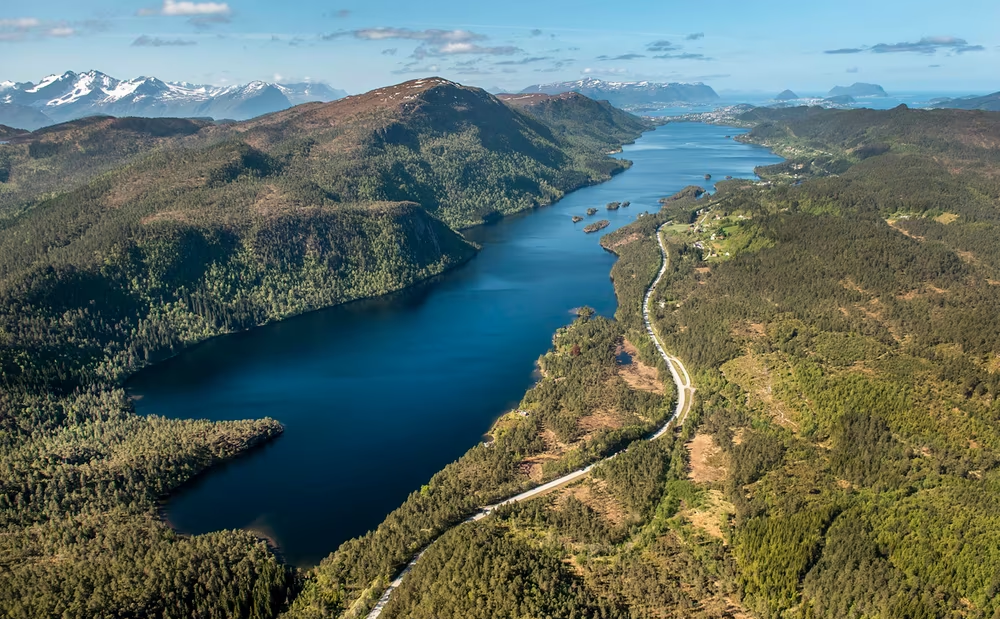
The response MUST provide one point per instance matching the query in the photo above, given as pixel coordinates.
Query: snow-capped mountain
(75, 95)
(631, 93)
(304, 92)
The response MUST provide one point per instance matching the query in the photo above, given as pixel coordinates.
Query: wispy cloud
(852, 69)
(414, 67)
(185, 8)
(391, 51)
(683, 56)
(694, 36)
(16, 29)
(556, 66)
(431, 35)
(926, 45)
(662, 46)
(621, 57)
(433, 41)
(147, 41)
(604, 71)
(469, 48)
(20, 23)
(203, 22)
(523, 61)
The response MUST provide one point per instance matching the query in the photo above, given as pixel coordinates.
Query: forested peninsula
(123, 240)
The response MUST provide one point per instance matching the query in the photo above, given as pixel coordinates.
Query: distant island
(987, 103)
(631, 93)
(786, 95)
(840, 100)
(597, 225)
(858, 89)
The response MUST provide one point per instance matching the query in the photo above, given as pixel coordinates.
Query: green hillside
(124, 240)
(843, 455)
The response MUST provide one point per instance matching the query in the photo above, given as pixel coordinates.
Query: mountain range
(987, 103)
(623, 94)
(58, 98)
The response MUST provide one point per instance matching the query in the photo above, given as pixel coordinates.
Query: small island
(591, 211)
(597, 225)
(614, 206)
(708, 177)
(577, 219)
(858, 89)
(626, 204)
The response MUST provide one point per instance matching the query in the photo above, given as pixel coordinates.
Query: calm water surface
(376, 396)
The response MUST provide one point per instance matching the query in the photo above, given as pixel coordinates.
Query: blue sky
(765, 45)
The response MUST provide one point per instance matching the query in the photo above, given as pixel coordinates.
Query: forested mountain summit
(123, 240)
(320, 199)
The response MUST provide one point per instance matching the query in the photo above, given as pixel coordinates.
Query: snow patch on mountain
(74, 95)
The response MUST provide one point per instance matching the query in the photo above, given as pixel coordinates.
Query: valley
(246, 368)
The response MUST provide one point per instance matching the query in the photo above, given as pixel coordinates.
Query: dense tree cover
(846, 371)
(579, 380)
(968, 136)
(81, 478)
(124, 240)
(847, 365)
(481, 572)
(36, 166)
(647, 561)
(595, 125)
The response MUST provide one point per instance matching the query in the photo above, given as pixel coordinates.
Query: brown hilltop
(405, 114)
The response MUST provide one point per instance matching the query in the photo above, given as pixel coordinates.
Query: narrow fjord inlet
(377, 395)
(529, 310)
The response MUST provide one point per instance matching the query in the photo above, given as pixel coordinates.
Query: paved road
(685, 396)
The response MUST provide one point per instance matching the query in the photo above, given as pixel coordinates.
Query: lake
(378, 395)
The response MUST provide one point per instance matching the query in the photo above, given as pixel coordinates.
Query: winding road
(685, 397)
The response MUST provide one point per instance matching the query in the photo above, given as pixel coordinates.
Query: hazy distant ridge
(631, 93)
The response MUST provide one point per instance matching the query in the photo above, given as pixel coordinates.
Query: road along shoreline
(685, 396)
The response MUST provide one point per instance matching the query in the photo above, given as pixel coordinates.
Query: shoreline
(416, 285)
(685, 388)
(123, 382)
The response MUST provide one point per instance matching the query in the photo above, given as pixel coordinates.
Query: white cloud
(27, 28)
(147, 41)
(185, 8)
(433, 41)
(472, 48)
(20, 23)
(433, 35)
